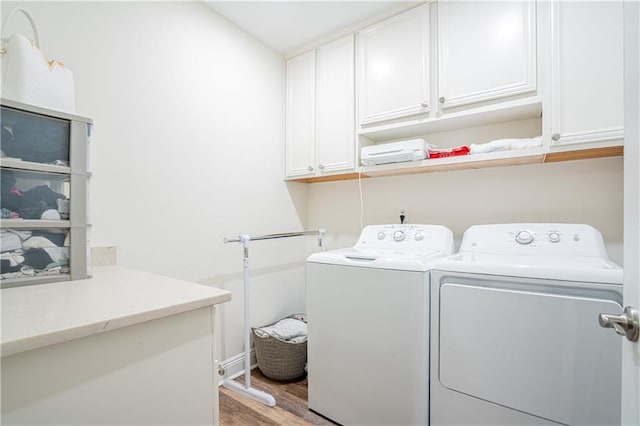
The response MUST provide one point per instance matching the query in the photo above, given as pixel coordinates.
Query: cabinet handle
(424, 104)
(321, 166)
(310, 168)
(442, 99)
(555, 136)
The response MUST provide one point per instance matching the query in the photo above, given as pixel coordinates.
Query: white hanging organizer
(246, 389)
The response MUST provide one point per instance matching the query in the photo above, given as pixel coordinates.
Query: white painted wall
(187, 145)
(187, 148)
(587, 191)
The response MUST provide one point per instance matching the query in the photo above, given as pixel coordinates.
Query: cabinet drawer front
(34, 255)
(35, 138)
(486, 51)
(35, 195)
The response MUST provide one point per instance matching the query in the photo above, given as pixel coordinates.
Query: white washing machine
(368, 318)
(515, 337)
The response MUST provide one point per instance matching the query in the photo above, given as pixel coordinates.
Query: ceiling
(287, 25)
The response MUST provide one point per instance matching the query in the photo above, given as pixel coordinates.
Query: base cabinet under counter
(125, 347)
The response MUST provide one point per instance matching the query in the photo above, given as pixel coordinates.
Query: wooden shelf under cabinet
(584, 154)
(468, 162)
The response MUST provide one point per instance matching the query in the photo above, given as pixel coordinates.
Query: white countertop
(41, 315)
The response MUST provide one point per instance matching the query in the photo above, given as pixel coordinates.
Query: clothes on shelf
(33, 253)
(506, 145)
(32, 203)
(482, 148)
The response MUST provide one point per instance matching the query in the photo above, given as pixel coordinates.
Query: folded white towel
(505, 145)
(58, 254)
(285, 329)
(298, 339)
(10, 241)
(37, 242)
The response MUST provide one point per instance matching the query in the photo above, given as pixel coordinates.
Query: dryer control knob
(381, 235)
(398, 235)
(419, 236)
(524, 237)
(554, 237)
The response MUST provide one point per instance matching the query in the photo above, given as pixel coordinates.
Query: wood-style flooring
(291, 404)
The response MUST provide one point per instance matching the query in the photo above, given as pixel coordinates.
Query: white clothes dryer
(515, 338)
(368, 325)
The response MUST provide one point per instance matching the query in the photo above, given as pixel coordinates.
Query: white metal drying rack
(246, 389)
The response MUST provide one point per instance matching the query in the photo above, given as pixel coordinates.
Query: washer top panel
(397, 247)
(406, 238)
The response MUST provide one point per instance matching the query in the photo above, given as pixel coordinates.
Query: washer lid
(564, 268)
(380, 259)
(411, 247)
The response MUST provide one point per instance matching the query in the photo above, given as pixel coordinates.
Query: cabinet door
(587, 68)
(486, 51)
(300, 111)
(394, 67)
(335, 114)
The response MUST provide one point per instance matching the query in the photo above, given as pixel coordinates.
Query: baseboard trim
(233, 367)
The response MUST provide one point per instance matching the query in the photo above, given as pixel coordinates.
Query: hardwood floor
(291, 404)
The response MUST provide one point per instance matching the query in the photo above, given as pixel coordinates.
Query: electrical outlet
(403, 215)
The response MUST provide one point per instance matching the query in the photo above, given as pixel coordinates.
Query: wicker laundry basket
(279, 359)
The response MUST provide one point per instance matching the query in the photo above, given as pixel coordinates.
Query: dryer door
(542, 354)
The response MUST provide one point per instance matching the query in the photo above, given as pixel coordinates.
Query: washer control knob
(524, 237)
(381, 235)
(419, 236)
(554, 237)
(398, 235)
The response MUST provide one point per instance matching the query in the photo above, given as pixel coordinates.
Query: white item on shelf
(394, 152)
(29, 77)
(505, 145)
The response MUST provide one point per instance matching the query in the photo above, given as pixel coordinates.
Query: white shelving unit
(32, 140)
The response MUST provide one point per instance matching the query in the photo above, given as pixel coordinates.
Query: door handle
(627, 324)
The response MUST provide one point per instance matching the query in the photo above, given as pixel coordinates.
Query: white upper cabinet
(587, 73)
(300, 115)
(335, 109)
(320, 111)
(486, 51)
(394, 67)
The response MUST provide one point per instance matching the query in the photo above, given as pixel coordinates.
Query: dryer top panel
(567, 252)
(534, 239)
(570, 268)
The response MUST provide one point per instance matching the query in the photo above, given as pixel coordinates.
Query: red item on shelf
(449, 152)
